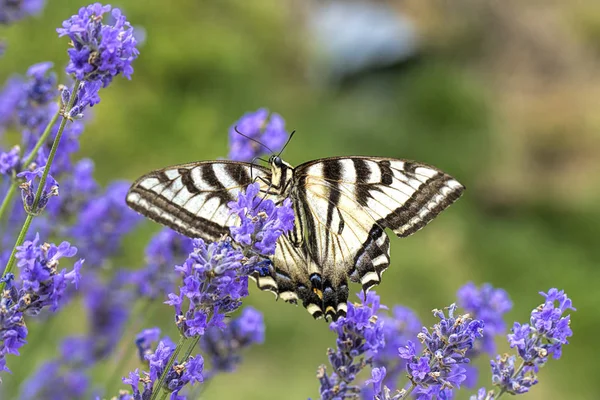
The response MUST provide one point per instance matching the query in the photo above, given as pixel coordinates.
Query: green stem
(55, 144)
(409, 390)
(159, 386)
(13, 186)
(41, 140)
(40, 189)
(20, 240)
(191, 348)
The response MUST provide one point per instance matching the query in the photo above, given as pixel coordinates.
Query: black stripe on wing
(192, 198)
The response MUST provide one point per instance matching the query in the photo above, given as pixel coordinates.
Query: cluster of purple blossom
(211, 282)
(438, 364)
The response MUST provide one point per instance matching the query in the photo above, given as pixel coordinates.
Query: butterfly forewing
(192, 198)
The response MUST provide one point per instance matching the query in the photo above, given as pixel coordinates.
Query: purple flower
(489, 305)
(108, 307)
(69, 144)
(51, 381)
(86, 96)
(36, 104)
(9, 161)
(437, 371)
(419, 369)
(77, 189)
(224, 346)
(262, 222)
(10, 96)
(548, 330)
(400, 330)
(28, 190)
(12, 11)
(167, 248)
(257, 127)
(144, 340)
(42, 282)
(483, 394)
(214, 282)
(100, 51)
(360, 333)
(505, 375)
(181, 374)
(103, 222)
(545, 335)
(377, 377)
(41, 285)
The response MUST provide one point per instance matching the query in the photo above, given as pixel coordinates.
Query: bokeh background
(502, 95)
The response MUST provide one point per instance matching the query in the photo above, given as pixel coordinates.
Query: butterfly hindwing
(192, 198)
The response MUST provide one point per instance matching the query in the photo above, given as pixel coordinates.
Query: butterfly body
(342, 206)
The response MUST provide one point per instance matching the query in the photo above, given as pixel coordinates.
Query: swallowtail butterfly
(342, 206)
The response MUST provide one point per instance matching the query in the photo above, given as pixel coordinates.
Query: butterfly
(342, 206)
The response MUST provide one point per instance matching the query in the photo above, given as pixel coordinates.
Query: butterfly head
(281, 172)
(276, 161)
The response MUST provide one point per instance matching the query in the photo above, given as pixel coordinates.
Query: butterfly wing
(349, 201)
(192, 198)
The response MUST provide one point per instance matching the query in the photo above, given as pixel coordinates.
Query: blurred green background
(502, 95)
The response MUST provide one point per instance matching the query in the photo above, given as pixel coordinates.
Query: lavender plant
(32, 105)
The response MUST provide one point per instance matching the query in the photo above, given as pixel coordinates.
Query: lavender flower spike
(28, 190)
(437, 371)
(259, 128)
(41, 285)
(100, 51)
(180, 374)
(12, 11)
(547, 332)
(224, 347)
(360, 333)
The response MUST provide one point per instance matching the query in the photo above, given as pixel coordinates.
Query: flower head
(506, 375)
(167, 248)
(85, 96)
(9, 161)
(102, 223)
(108, 307)
(10, 96)
(224, 346)
(262, 222)
(180, 374)
(547, 332)
(399, 329)
(41, 285)
(29, 189)
(437, 370)
(489, 305)
(214, 283)
(38, 93)
(360, 333)
(51, 381)
(144, 340)
(256, 127)
(100, 51)
(11, 11)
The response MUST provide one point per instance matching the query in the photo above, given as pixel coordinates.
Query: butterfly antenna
(253, 163)
(254, 140)
(286, 143)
